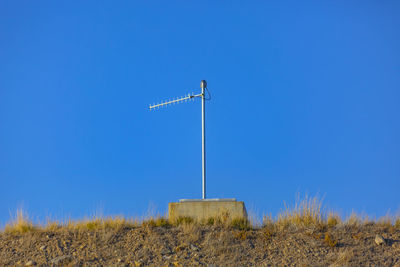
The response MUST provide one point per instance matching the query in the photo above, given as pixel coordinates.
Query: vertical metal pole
(203, 135)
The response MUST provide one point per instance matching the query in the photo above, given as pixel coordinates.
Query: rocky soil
(192, 245)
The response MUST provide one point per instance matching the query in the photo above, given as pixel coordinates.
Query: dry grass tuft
(330, 241)
(333, 220)
(91, 225)
(269, 228)
(353, 220)
(343, 258)
(209, 221)
(191, 231)
(183, 221)
(385, 224)
(240, 224)
(241, 235)
(222, 219)
(397, 223)
(94, 224)
(305, 213)
(52, 226)
(156, 222)
(21, 224)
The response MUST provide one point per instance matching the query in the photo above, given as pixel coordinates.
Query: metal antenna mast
(203, 85)
(191, 96)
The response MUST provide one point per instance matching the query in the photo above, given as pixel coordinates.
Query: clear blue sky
(305, 98)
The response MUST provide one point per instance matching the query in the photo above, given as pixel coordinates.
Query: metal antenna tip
(203, 84)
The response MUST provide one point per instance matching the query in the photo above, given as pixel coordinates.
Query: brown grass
(94, 224)
(305, 213)
(156, 222)
(343, 258)
(300, 235)
(20, 224)
(330, 240)
(397, 223)
(333, 220)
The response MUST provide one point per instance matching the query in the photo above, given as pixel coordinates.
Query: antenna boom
(179, 100)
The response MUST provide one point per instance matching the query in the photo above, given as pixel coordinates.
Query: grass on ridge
(20, 224)
(305, 213)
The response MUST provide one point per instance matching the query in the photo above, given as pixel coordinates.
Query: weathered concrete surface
(202, 209)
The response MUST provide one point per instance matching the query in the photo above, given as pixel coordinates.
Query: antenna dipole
(191, 96)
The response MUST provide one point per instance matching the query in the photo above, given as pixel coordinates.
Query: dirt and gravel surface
(192, 245)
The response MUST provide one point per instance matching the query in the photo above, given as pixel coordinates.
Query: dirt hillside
(190, 244)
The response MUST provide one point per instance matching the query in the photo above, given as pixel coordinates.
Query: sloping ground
(191, 244)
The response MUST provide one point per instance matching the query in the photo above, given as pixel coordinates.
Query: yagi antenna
(174, 101)
(191, 96)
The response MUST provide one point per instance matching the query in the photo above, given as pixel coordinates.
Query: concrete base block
(200, 209)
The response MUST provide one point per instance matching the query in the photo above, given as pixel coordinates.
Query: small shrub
(356, 236)
(162, 222)
(330, 241)
(317, 236)
(268, 233)
(210, 221)
(241, 235)
(268, 228)
(149, 223)
(333, 220)
(240, 224)
(184, 220)
(93, 225)
(157, 222)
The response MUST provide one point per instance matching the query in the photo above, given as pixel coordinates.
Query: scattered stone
(193, 247)
(379, 240)
(166, 251)
(30, 263)
(211, 265)
(42, 247)
(59, 259)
